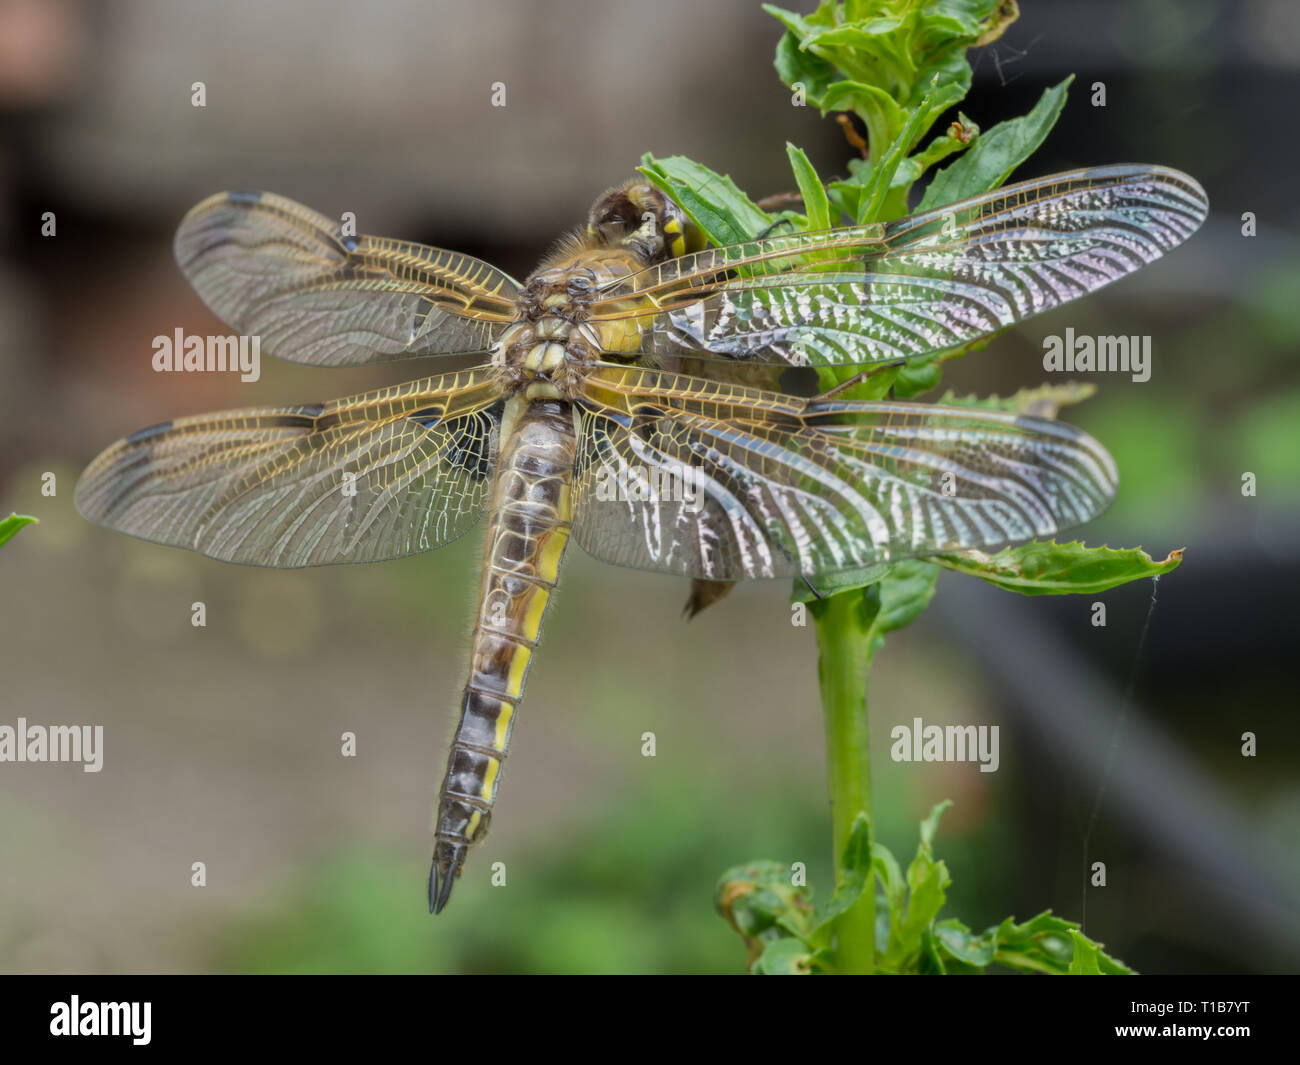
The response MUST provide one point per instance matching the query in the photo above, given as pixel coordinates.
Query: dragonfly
(627, 396)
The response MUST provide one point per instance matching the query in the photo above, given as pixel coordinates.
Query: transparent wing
(272, 268)
(374, 476)
(932, 282)
(721, 482)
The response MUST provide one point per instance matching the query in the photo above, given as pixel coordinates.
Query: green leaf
(874, 48)
(801, 26)
(945, 28)
(890, 877)
(1043, 944)
(927, 882)
(795, 24)
(784, 957)
(1085, 957)
(945, 84)
(956, 22)
(1046, 944)
(956, 137)
(904, 593)
(886, 163)
(931, 823)
(762, 904)
(784, 934)
(1044, 401)
(9, 526)
(927, 885)
(931, 962)
(956, 941)
(724, 214)
(917, 377)
(996, 152)
(862, 36)
(848, 194)
(855, 878)
(874, 105)
(828, 584)
(906, 589)
(757, 895)
(1044, 567)
(797, 67)
(817, 207)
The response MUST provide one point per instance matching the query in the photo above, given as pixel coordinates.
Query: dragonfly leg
(772, 229)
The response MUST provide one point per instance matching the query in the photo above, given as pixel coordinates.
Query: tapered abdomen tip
(443, 873)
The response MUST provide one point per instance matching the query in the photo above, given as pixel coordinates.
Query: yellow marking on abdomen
(472, 826)
(502, 733)
(490, 779)
(548, 558)
(531, 624)
(518, 667)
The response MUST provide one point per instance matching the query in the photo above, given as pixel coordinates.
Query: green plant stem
(844, 641)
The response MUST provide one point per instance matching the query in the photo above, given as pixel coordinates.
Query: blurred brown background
(222, 743)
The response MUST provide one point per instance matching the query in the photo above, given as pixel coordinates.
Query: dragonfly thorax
(546, 358)
(563, 292)
(552, 345)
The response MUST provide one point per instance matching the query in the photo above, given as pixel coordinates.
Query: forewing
(928, 283)
(371, 477)
(272, 268)
(721, 482)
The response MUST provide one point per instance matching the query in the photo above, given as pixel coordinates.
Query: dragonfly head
(639, 217)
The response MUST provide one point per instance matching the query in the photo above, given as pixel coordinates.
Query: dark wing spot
(427, 417)
(146, 433)
(469, 439)
(289, 421)
(244, 196)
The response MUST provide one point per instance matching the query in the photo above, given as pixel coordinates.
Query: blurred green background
(222, 743)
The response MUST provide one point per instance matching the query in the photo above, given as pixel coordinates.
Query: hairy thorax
(554, 343)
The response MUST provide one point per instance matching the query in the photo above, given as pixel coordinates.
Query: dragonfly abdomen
(527, 533)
